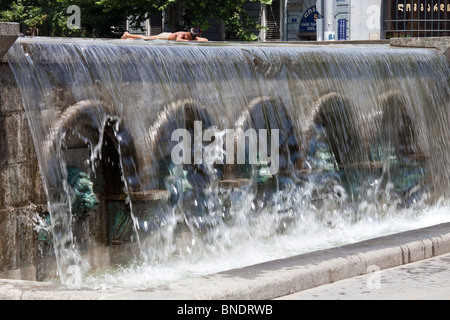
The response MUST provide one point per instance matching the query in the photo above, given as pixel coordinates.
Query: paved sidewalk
(425, 280)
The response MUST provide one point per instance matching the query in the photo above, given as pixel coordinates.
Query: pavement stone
(424, 280)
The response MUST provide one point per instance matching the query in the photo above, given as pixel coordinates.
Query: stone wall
(22, 198)
(440, 43)
(21, 191)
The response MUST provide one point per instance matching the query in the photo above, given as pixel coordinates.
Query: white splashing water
(259, 242)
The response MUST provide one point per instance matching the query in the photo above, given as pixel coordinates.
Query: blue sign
(342, 29)
(309, 20)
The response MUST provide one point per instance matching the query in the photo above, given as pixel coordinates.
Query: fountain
(362, 135)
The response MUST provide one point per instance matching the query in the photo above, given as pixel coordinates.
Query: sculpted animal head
(85, 201)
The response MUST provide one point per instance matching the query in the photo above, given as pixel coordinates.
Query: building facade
(338, 20)
(310, 20)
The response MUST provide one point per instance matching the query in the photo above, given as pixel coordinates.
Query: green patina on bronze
(121, 223)
(45, 233)
(85, 201)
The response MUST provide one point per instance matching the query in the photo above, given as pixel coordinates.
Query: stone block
(9, 32)
(17, 245)
(10, 97)
(16, 143)
(21, 185)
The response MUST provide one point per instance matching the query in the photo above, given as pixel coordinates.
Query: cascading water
(363, 142)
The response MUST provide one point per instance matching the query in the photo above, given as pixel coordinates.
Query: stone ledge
(9, 32)
(442, 44)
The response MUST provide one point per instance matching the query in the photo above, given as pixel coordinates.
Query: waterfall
(358, 128)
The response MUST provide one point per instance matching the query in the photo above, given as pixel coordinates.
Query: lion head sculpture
(85, 201)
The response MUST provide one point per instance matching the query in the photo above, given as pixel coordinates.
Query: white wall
(365, 19)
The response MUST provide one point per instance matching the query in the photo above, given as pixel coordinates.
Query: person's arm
(180, 37)
(201, 39)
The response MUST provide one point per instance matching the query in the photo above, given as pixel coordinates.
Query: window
(417, 18)
(156, 23)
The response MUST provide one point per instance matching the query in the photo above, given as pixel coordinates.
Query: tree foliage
(104, 18)
(232, 12)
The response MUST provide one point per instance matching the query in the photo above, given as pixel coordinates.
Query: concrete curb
(267, 280)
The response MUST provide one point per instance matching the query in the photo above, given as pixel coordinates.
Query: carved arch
(268, 113)
(398, 127)
(180, 114)
(336, 115)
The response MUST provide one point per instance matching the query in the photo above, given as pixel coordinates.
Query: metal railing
(417, 18)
